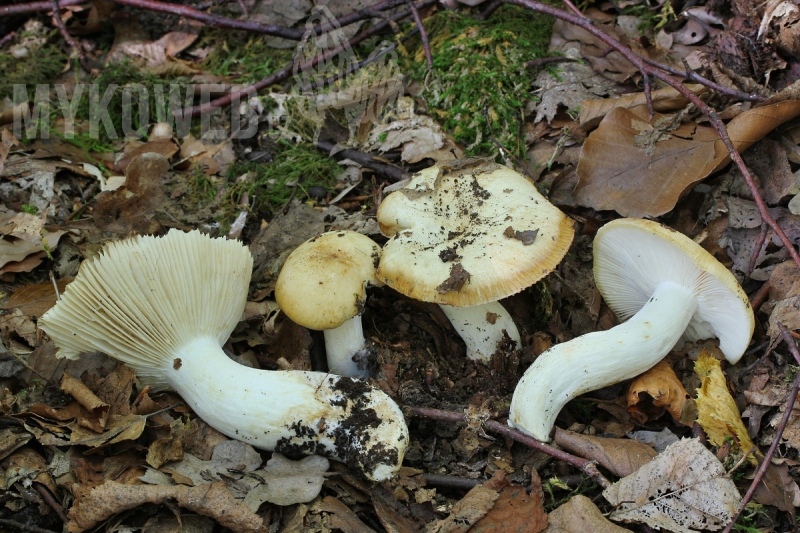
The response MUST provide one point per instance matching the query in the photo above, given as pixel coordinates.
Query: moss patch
(479, 85)
(292, 172)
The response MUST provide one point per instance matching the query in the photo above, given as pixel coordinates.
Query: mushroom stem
(343, 344)
(292, 412)
(482, 328)
(599, 359)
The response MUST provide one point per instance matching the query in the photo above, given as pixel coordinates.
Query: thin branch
(766, 461)
(423, 35)
(214, 20)
(587, 467)
(35, 7)
(62, 28)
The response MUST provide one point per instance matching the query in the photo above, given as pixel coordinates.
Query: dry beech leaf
(580, 514)
(118, 429)
(620, 456)
(93, 505)
(514, 511)
(666, 99)
(35, 299)
(662, 385)
(716, 409)
(637, 169)
(684, 489)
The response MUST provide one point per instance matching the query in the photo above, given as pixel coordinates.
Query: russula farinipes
(465, 234)
(666, 289)
(322, 286)
(166, 305)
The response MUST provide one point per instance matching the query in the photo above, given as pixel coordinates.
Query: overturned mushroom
(466, 234)
(322, 286)
(165, 306)
(668, 288)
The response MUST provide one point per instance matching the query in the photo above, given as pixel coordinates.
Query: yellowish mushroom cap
(469, 232)
(323, 281)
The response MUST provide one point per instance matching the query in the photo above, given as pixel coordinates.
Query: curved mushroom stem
(342, 344)
(599, 359)
(482, 327)
(292, 412)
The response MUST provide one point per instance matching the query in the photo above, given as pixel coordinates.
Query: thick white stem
(292, 412)
(599, 359)
(341, 344)
(482, 327)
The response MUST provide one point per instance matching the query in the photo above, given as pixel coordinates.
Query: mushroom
(465, 234)
(322, 286)
(668, 288)
(166, 305)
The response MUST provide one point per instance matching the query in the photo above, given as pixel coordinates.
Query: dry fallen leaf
(683, 489)
(580, 514)
(640, 168)
(716, 409)
(619, 456)
(286, 482)
(515, 510)
(662, 385)
(93, 505)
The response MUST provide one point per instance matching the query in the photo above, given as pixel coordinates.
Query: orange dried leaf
(663, 386)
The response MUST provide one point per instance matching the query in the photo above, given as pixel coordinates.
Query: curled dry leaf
(683, 489)
(620, 456)
(666, 99)
(662, 385)
(93, 505)
(716, 409)
(641, 168)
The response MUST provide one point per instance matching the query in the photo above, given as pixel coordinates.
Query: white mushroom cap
(632, 256)
(165, 306)
(324, 280)
(469, 232)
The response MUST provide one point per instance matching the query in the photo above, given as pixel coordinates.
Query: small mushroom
(466, 234)
(322, 286)
(668, 288)
(165, 306)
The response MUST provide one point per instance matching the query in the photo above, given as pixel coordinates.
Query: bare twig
(423, 35)
(62, 28)
(762, 236)
(35, 7)
(214, 20)
(765, 462)
(44, 492)
(587, 467)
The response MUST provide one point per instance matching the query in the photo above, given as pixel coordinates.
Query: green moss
(242, 57)
(42, 65)
(294, 169)
(479, 84)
